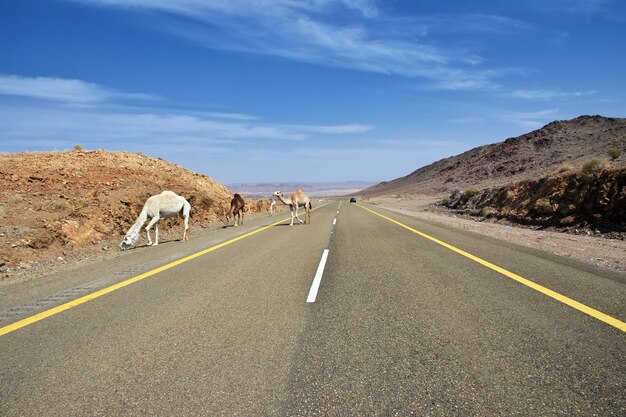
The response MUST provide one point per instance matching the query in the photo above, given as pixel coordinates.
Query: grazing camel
(237, 205)
(166, 204)
(297, 199)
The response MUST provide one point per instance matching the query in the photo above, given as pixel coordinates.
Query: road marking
(74, 303)
(318, 278)
(612, 321)
(334, 221)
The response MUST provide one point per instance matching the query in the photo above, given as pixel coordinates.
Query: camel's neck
(136, 227)
(284, 200)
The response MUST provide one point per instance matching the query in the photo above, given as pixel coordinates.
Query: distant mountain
(319, 189)
(529, 156)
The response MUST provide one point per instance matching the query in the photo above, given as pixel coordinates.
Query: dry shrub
(565, 167)
(487, 212)
(62, 205)
(593, 166)
(471, 192)
(613, 153)
(79, 147)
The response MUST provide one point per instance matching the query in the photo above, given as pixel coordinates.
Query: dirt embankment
(56, 205)
(572, 202)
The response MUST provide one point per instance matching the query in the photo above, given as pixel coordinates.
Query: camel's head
(278, 194)
(127, 242)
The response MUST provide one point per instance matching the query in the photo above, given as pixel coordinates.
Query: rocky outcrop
(568, 201)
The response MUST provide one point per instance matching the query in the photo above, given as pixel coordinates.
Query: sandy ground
(595, 250)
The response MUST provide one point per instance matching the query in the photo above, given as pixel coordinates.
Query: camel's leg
(241, 221)
(291, 217)
(307, 218)
(297, 214)
(156, 234)
(148, 227)
(185, 236)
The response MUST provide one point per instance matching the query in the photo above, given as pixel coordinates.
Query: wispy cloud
(477, 23)
(334, 130)
(572, 6)
(63, 90)
(80, 125)
(352, 34)
(466, 120)
(231, 116)
(550, 94)
(101, 121)
(530, 120)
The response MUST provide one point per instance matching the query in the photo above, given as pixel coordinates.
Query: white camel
(297, 199)
(167, 204)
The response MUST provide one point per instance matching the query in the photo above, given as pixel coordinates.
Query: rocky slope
(56, 205)
(529, 156)
(590, 202)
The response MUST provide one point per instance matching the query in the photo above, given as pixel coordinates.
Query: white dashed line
(318, 278)
(334, 221)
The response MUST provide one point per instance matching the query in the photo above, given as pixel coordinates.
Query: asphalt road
(401, 325)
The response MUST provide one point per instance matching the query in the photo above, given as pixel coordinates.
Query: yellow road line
(553, 294)
(56, 310)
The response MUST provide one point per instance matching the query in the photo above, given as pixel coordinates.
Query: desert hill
(533, 155)
(55, 205)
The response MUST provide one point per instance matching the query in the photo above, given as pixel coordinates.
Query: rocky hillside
(580, 201)
(533, 155)
(55, 205)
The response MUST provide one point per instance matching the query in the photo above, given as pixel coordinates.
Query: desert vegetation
(613, 153)
(593, 166)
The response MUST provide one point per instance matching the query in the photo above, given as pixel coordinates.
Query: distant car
(353, 200)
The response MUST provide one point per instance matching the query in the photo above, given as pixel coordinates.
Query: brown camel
(237, 205)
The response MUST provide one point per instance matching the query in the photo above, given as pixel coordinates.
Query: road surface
(410, 318)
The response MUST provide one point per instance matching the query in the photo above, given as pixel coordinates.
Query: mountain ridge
(531, 155)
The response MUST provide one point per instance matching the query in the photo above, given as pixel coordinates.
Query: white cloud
(466, 120)
(233, 116)
(105, 123)
(572, 6)
(334, 130)
(352, 34)
(549, 94)
(95, 128)
(530, 120)
(63, 90)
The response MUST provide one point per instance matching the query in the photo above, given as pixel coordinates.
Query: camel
(297, 199)
(237, 205)
(161, 206)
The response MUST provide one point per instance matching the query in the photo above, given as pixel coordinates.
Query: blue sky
(302, 90)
